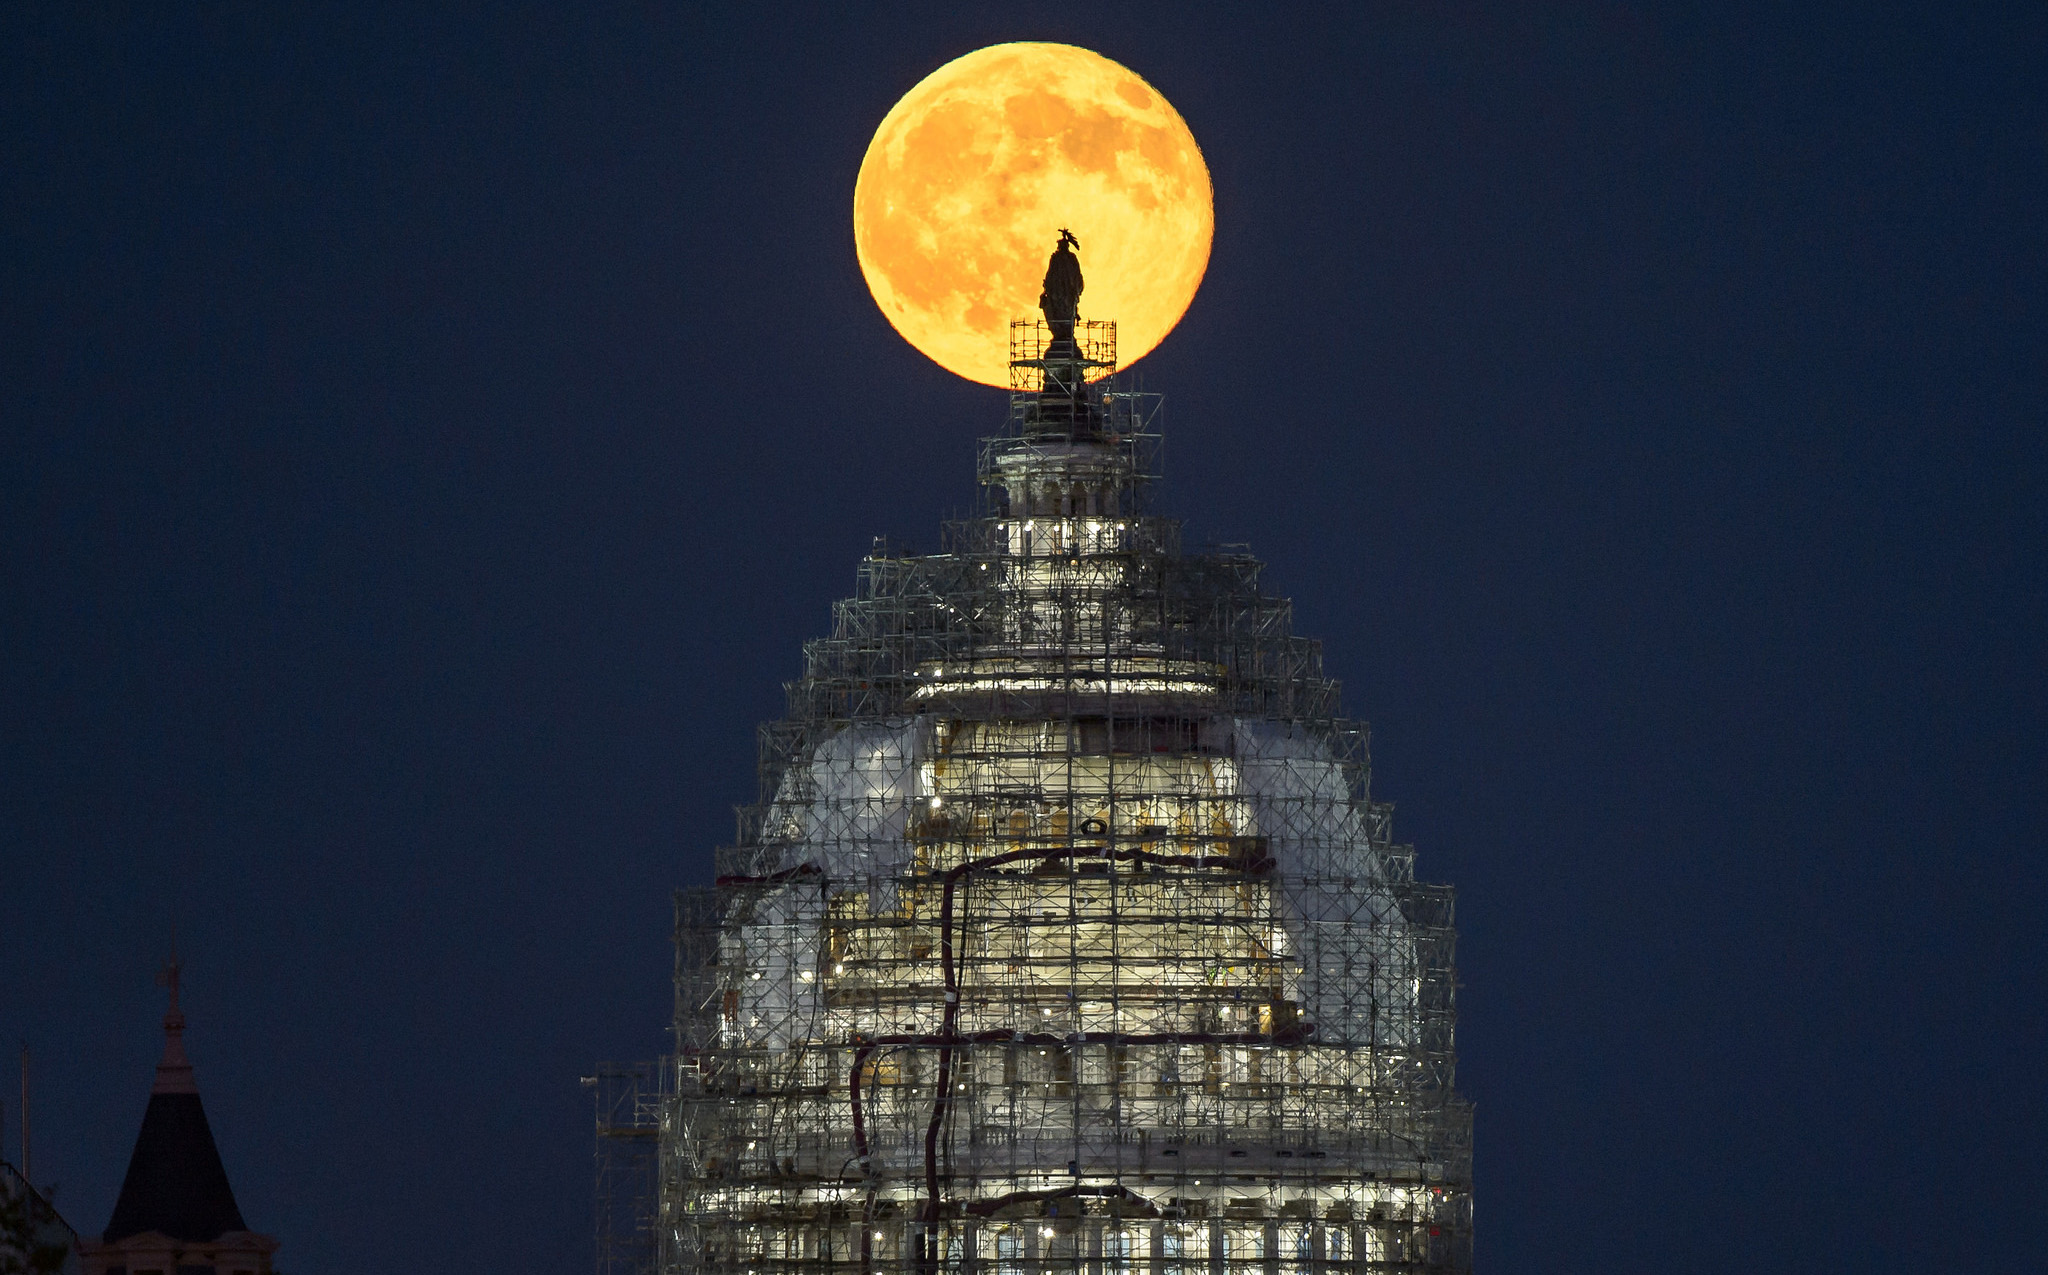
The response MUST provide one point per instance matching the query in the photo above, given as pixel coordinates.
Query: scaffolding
(630, 1100)
(1065, 933)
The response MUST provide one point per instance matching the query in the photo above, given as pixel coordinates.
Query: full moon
(971, 177)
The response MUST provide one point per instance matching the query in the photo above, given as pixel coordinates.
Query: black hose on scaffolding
(948, 1038)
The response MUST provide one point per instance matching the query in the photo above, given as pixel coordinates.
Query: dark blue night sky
(430, 433)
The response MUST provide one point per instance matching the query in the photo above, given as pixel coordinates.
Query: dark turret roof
(176, 1183)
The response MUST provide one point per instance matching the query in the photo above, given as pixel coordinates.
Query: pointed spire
(175, 1183)
(174, 1073)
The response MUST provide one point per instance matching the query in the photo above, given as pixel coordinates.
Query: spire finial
(174, 1073)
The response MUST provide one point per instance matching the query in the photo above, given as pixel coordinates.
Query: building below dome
(176, 1212)
(1066, 934)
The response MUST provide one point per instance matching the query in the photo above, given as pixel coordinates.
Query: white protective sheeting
(1358, 960)
(843, 813)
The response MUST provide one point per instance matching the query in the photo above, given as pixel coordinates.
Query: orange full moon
(970, 178)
